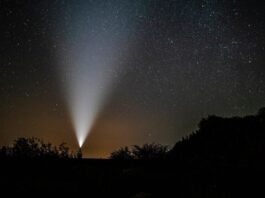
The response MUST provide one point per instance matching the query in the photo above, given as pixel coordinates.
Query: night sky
(159, 66)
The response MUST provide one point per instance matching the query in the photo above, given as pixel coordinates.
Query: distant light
(80, 140)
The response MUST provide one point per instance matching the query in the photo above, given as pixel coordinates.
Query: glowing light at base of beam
(90, 53)
(86, 90)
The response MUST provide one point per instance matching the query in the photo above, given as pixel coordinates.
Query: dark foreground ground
(110, 178)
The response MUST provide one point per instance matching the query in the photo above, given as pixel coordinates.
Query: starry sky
(173, 63)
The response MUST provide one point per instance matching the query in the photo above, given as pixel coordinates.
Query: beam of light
(95, 40)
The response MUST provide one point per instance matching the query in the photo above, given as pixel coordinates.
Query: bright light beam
(91, 50)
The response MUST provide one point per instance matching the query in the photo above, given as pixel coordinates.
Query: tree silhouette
(261, 112)
(224, 140)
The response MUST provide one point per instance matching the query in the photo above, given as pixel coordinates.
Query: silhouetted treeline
(223, 140)
(32, 148)
(224, 157)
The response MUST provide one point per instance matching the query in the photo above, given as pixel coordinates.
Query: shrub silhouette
(144, 152)
(28, 148)
(149, 151)
(122, 154)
